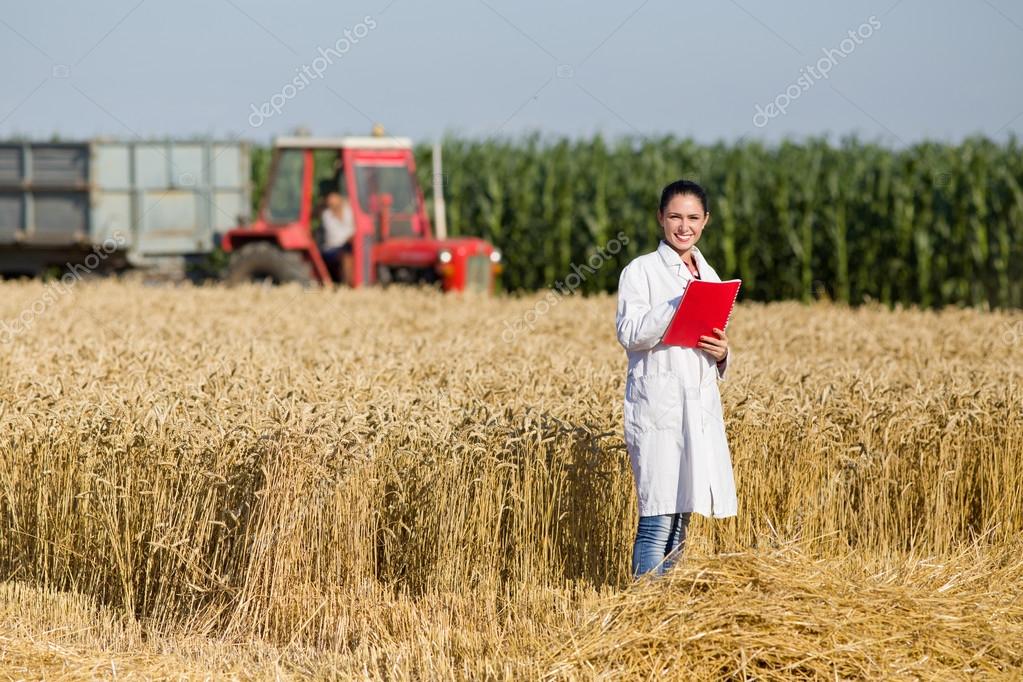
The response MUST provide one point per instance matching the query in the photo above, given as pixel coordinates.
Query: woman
(674, 427)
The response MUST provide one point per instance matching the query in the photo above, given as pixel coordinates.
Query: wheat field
(278, 483)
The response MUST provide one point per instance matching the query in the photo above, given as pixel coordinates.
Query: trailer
(113, 205)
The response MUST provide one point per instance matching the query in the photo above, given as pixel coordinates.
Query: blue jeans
(659, 542)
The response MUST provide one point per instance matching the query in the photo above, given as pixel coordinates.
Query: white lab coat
(674, 426)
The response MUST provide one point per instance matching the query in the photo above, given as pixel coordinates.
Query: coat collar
(671, 259)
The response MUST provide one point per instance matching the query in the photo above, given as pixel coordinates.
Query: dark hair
(684, 187)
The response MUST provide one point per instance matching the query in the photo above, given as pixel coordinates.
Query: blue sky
(919, 69)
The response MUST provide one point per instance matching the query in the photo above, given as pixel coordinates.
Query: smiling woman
(674, 427)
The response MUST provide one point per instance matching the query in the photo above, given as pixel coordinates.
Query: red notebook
(704, 305)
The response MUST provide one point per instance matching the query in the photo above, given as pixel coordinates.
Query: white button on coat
(674, 425)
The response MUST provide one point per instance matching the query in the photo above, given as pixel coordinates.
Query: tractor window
(327, 169)
(284, 203)
(393, 180)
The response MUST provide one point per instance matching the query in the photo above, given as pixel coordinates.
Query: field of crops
(262, 483)
(930, 224)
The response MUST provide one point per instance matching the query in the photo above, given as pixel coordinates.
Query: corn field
(932, 225)
(379, 484)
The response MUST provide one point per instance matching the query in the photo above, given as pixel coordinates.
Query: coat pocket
(654, 402)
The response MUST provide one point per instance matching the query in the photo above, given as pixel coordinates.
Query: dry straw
(783, 615)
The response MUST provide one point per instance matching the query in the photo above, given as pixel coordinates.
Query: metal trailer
(133, 204)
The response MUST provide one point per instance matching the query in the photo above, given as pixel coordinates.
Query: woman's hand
(718, 348)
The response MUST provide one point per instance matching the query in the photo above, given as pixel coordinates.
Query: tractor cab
(392, 238)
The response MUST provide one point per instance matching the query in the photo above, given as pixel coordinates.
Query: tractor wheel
(262, 262)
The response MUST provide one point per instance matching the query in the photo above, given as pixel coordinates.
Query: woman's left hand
(718, 348)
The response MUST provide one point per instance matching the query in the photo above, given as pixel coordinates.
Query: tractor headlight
(444, 256)
(495, 256)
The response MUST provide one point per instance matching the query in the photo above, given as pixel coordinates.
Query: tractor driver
(338, 230)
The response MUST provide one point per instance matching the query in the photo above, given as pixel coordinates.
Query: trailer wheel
(264, 262)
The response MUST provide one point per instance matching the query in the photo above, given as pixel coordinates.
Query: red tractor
(393, 239)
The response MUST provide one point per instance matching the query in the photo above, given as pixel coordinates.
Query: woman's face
(683, 221)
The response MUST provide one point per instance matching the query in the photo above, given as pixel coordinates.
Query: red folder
(704, 305)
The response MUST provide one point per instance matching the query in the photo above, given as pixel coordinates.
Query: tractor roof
(343, 142)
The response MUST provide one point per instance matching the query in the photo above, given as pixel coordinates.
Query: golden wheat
(380, 484)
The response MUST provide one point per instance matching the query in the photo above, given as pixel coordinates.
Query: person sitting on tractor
(338, 230)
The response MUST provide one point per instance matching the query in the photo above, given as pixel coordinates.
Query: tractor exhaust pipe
(440, 218)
